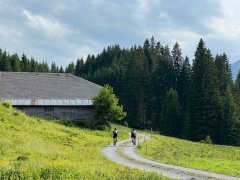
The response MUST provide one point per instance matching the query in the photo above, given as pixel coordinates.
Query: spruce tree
(164, 79)
(147, 73)
(33, 65)
(53, 68)
(24, 63)
(170, 123)
(15, 63)
(229, 127)
(177, 62)
(79, 67)
(205, 102)
(70, 68)
(223, 73)
(6, 64)
(184, 87)
(133, 94)
(61, 70)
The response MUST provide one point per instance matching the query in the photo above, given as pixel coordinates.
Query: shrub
(125, 123)
(208, 140)
(7, 104)
(16, 113)
(22, 158)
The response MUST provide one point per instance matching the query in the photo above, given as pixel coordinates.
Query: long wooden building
(55, 95)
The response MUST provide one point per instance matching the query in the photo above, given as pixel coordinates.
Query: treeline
(160, 89)
(15, 63)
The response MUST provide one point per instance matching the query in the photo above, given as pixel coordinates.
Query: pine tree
(164, 79)
(46, 67)
(223, 73)
(147, 73)
(70, 68)
(61, 70)
(170, 124)
(184, 87)
(6, 63)
(33, 65)
(79, 67)
(177, 62)
(53, 68)
(205, 103)
(24, 64)
(133, 94)
(229, 106)
(230, 122)
(15, 63)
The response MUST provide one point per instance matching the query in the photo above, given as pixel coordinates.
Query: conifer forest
(160, 88)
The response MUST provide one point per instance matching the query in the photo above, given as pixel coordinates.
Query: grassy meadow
(214, 158)
(34, 148)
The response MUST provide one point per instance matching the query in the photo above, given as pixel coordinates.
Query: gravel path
(124, 153)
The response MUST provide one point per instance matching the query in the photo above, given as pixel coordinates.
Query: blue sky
(62, 31)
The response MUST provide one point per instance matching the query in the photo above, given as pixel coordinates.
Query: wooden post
(146, 149)
(177, 155)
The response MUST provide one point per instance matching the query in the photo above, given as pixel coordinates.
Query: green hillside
(33, 148)
(214, 158)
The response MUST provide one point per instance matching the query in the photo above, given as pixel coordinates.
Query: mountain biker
(115, 135)
(133, 136)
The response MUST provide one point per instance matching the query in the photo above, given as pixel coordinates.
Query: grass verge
(33, 148)
(214, 158)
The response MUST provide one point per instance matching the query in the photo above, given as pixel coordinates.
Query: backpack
(115, 132)
(133, 133)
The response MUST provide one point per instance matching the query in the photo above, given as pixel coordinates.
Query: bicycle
(134, 141)
(114, 141)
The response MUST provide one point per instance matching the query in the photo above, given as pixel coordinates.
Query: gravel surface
(124, 153)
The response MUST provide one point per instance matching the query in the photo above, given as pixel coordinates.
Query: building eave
(49, 102)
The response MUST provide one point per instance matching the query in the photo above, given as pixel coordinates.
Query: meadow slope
(207, 157)
(33, 148)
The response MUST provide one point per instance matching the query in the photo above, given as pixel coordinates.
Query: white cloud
(163, 15)
(8, 34)
(50, 26)
(63, 31)
(142, 7)
(186, 38)
(227, 26)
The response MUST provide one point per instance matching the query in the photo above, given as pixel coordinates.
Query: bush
(7, 104)
(125, 123)
(106, 108)
(22, 158)
(16, 113)
(208, 140)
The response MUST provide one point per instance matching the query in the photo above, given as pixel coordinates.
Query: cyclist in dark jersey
(115, 136)
(133, 136)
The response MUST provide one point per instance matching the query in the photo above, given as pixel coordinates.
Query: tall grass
(215, 158)
(33, 148)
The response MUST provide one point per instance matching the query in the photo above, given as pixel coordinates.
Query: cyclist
(133, 136)
(115, 135)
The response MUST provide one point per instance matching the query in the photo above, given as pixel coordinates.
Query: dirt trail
(124, 153)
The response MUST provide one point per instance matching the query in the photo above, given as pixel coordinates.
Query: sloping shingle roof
(45, 86)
